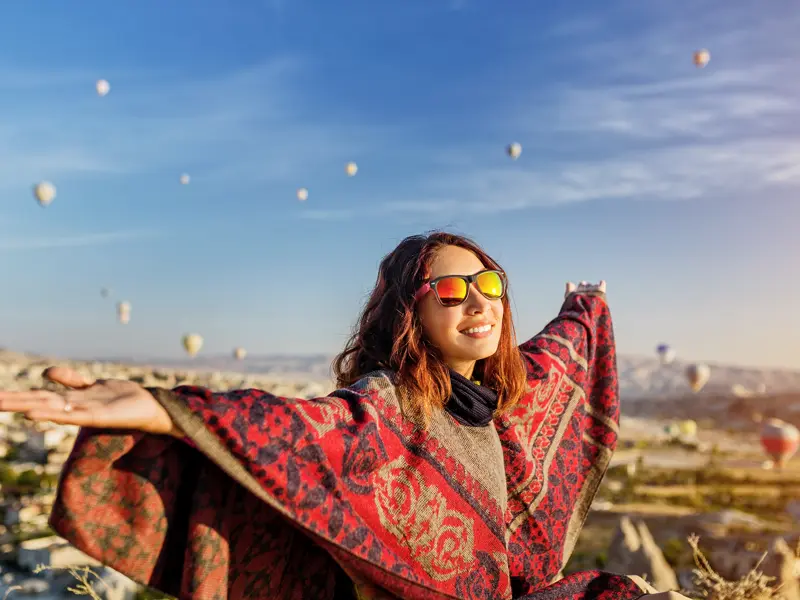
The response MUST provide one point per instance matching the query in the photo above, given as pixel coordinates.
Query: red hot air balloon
(780, 440)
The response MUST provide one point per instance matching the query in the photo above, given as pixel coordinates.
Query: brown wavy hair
(388, 334)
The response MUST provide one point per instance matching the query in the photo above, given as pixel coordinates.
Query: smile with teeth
(478, 330)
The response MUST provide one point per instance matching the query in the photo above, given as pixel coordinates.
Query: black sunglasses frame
(469, 280)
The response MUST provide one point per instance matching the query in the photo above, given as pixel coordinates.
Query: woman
(451, 463)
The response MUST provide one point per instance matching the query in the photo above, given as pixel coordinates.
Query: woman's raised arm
(559, 438)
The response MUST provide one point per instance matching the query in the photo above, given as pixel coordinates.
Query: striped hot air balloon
(780, 440)
(697, 376)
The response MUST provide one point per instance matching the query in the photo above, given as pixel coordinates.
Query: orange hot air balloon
(780, 440)
(701, 58)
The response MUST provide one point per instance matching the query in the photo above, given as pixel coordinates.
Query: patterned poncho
(345, 496)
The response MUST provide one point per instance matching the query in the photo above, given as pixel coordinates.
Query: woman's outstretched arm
(560, 437)
(220, 519)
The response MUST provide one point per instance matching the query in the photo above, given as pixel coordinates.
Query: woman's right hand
(109, 403)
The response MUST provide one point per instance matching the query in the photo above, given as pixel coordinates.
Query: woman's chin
(478, 349)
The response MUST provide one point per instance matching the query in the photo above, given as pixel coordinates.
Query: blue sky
(678, 185)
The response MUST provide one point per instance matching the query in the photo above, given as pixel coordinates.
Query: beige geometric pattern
(439, 538)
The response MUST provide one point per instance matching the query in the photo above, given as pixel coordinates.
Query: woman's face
(446, 327)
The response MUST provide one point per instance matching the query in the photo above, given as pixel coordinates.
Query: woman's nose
(477, 302)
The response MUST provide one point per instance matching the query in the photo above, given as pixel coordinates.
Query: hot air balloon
(104, 292)
(192, 343)
(514, 150)
(701, 58)
(102, 87)
(185, 179)
(124, 312)
(688, 428)
(351, 169)
(239, 353)
(698, 376)
(672, 430)
(738, 390)
(780, 440)
(302, 194)
(45, 192)
(665, 354)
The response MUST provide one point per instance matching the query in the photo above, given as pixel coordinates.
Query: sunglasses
(452, 290)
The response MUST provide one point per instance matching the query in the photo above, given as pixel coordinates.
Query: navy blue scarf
(470, 404)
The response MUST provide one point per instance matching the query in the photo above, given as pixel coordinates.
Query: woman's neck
(464, 368)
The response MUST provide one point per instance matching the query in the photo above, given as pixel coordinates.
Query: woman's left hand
(585, 287)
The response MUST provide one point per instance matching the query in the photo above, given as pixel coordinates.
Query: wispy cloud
(249, 122)
(630, 117)
(637, 120)
(74, 241)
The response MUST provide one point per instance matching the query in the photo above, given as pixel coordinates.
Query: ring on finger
(67, 406)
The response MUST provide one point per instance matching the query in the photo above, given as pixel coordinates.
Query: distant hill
(640, 377)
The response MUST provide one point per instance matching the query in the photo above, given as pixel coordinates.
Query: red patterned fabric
(280, 497)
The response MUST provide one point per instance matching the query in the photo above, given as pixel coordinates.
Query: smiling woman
(451, 463)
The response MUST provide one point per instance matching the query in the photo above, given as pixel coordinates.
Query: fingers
(31, 400)
(77, 416)
(67, 377)
(585, 286)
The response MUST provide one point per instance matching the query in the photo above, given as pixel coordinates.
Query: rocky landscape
(661, 490)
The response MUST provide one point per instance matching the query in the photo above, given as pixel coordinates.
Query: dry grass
(81, 575)
(710, 584)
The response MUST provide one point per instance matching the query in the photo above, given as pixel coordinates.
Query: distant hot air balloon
(672, 430)
(514, 150)
(104, 292)
(351, 169)
(738, 390)
(302, 194)
(192, 343)
(697, 375)
(780, 440)
(701, 58)
(45, 192)
(688, 428)
(665, 354)
(102, 87)
(124, 312)
(239, 353)
(185, 179)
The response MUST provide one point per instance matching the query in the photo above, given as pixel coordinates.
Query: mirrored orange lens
(490, 284)
(451, 290)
